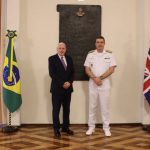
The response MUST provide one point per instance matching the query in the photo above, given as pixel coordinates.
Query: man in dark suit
(61, 71)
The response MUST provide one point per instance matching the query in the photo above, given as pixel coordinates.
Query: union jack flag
(146, 87)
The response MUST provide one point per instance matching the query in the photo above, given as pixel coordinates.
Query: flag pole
(9, 118)
(8, 76)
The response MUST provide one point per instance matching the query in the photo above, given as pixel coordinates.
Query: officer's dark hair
(100, 37)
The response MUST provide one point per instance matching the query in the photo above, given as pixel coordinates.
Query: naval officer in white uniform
(99, 65)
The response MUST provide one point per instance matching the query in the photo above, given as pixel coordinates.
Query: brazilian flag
(11, 78)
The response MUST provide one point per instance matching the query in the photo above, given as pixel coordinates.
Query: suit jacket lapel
(67, 60)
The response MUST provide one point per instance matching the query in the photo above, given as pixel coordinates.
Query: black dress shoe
(68, 131)
(57, 134)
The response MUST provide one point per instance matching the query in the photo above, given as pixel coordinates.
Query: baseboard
(97, 125)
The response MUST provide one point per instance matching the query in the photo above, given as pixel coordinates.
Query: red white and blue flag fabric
(146, 87)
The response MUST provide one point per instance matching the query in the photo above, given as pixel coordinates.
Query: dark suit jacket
(59, 75)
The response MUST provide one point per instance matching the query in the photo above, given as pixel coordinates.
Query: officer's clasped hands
(98, 81)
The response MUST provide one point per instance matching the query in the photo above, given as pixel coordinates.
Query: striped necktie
(63, 63)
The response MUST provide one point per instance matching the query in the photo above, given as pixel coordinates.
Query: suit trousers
(59, 100)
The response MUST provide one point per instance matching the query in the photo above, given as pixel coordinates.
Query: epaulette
(91, 51)
(109, 51)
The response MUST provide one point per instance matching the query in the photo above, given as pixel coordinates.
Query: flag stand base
(10, 129)
(146, 128)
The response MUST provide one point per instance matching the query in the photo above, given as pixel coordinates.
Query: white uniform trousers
(102, 96)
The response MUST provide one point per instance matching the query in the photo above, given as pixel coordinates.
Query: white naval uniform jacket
(99, 63)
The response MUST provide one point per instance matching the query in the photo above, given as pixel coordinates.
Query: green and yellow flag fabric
(11, 78)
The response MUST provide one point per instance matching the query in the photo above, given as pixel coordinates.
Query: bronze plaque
(79, 25)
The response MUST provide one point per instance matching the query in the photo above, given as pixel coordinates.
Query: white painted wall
(122, 26)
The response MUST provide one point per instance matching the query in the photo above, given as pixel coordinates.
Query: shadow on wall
(27, 73)
(128, 73)
(29, 85)
(85, 89)
(48, 97)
